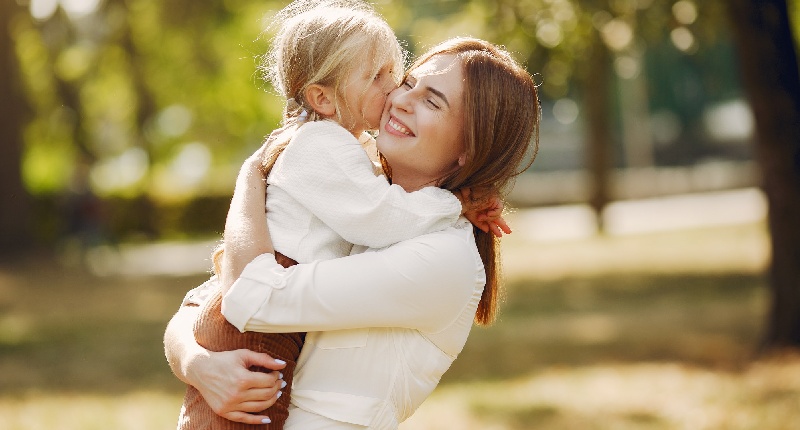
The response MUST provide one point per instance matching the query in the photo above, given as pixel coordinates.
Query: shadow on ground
(68, 330)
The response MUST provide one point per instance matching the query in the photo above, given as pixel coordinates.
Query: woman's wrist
(180, 347)
(192, 363)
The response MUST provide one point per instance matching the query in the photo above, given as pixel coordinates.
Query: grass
(636, 332)
(764, 395)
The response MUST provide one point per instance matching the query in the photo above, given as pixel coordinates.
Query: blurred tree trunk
(15, 206)
(596, 87)
(771, 79)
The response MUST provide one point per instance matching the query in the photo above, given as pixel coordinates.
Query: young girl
(335, 63)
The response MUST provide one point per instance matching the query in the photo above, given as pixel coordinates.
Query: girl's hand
(234, 391)
(484, 210)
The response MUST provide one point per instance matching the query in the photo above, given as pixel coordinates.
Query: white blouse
(384, 325)
(323, 196)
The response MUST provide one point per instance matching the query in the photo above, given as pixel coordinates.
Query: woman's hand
(224, 379)
(265, 156)
(233, 390)
(484, 210)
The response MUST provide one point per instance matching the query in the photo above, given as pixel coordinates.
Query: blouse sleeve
(326, 170)
(422, 284)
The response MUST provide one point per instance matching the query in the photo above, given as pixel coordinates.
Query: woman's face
(421, 132)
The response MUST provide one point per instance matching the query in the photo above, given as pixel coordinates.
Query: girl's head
(334, 59)
(465, 116)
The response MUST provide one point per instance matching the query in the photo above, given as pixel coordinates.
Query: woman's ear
(321, 99)
(462, 159)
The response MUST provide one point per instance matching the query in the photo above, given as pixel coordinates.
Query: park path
(573, 225)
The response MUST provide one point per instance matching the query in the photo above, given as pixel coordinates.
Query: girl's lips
(394, 126)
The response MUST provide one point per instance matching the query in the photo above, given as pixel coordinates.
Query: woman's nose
(400, 99)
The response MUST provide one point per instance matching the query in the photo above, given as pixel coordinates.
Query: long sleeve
(423, 283)
(326, 170)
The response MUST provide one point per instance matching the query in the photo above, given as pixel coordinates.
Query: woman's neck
(357, 133)
(410, 183)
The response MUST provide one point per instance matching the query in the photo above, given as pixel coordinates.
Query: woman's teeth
(400, 128)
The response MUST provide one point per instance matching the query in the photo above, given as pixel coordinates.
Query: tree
(772, 82)
(15, 212)
(149, 100)
(596, 89)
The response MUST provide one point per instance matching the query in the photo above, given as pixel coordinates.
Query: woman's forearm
(180, 347)
(246, 235)
(222, 378)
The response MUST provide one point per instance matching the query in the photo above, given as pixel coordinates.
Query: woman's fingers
(247, 410)
(257, 406)
(243, 417)
(230, 387)
(251, 358)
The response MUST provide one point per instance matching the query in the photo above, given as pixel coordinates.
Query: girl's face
(421, 132)
(365, 94)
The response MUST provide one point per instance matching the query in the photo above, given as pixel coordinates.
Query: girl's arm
(223, 378)
(423, 283)
(327, 171)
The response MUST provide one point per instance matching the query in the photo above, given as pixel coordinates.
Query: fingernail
(280, 375)
(280, 393)
(283, 384)
(266, 421)
(279, 361)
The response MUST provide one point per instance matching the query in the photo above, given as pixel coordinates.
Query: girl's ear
(321, 99)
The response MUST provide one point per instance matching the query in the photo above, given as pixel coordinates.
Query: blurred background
(651, 281)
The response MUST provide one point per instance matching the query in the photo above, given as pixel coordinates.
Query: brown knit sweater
(213, 332)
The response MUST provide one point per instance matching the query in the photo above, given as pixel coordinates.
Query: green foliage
(163, 98)
(106, 88)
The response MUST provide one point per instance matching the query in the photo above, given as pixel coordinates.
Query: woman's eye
(432, 103)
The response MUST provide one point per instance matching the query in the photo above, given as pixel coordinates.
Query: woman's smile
(396, 127)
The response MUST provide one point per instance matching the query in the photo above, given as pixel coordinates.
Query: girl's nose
(389, 86)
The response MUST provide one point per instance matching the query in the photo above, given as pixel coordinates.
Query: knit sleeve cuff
(198, 295)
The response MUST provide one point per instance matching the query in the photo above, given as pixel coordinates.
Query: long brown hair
(501, 117)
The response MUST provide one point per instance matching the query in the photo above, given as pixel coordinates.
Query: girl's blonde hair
(322, 42)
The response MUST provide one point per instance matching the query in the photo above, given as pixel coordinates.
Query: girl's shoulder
(325, 141)
(326, 129)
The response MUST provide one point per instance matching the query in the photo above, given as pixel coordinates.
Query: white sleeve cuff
(252, 290)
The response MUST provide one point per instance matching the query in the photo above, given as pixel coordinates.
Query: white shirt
(383, 325)
(323, 197)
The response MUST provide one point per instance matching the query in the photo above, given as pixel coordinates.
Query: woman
(385, 324)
